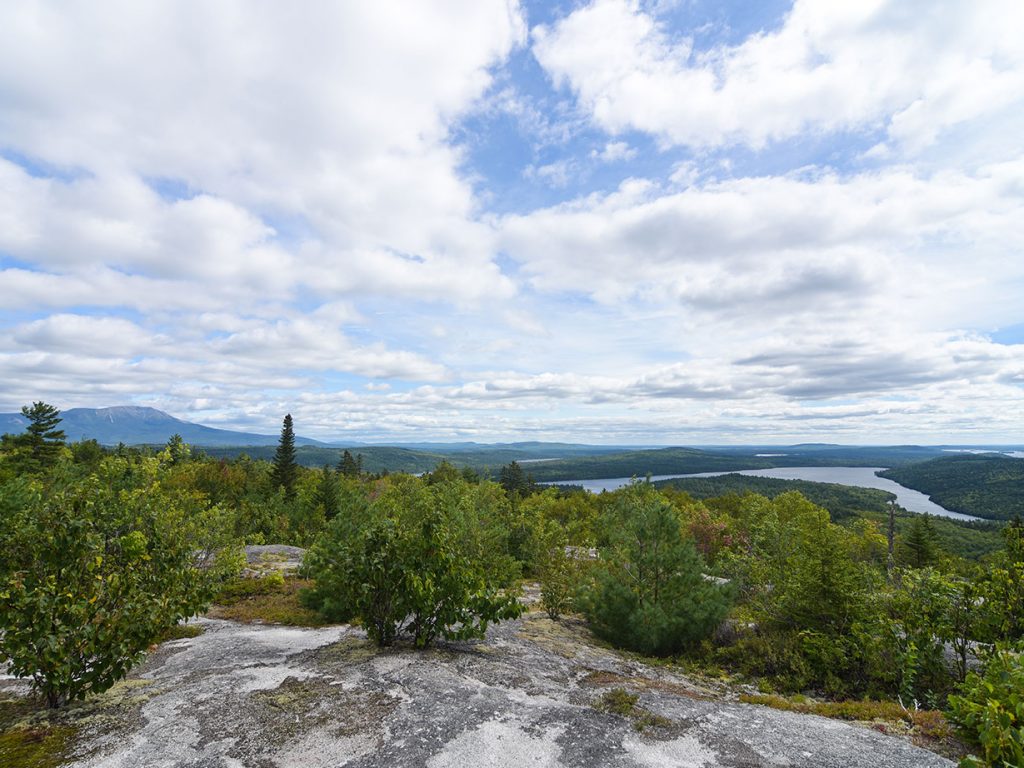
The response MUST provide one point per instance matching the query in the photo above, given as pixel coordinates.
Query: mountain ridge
(143, 425)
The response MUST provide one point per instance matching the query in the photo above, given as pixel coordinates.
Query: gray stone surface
(260, 559)
(265, 696)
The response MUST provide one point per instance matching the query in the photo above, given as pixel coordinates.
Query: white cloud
(235, 210)
(755, 247)
(334, 118)
(908, 66)
(614, 151)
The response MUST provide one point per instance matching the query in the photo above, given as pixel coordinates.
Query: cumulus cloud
(333, 118)
(231, 211)
(828, 67)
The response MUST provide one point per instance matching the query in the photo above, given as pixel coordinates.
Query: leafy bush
(411, 566)
(989, 709)
(650, 594)
(96, 569)
(559, 567)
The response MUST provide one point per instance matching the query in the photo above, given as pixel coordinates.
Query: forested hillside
(983, 485)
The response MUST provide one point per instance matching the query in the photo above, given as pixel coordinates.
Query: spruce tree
(327, 493)
(920, 547)
(285, 471)
(348, 465)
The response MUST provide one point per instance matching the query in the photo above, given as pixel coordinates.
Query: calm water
(865, 477)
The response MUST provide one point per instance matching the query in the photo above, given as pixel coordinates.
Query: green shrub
(559, 568)
(989, 710)
(238, 589)
(409, 568)
(649, 592)
(99, 567)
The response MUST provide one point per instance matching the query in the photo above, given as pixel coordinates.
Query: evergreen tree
(350, 466)
(650, 594)
(514, 480)
(38, 447)
(327, 493)
(285, 471)
(177, 449)
(920, 547)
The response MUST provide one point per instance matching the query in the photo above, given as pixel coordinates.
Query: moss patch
(928, 729)
(30, 736)
(178, 632)
(348, 650)
(602, 678)
(619, 701)
(267, 600)
(36, 746)
(298, 707)
(564, 637)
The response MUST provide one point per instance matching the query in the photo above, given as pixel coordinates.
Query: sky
(663, 222)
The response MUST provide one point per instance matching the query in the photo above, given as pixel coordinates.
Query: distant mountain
(134, 425)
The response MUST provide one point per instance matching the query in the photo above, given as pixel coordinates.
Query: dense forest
(110, 549)
(983, 485)
(845, 503)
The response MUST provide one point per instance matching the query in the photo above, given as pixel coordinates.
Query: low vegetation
(111, 550)
(270, 599)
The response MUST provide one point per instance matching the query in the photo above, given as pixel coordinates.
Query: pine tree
(650, 594)
(38, 447)
(285, 471)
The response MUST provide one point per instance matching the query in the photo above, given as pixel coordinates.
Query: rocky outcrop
(531, 694)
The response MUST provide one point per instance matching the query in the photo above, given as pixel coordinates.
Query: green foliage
(842, 501)
(45, 438)
(919, 546)
(87, 453)
(560, 568)
(97, 567)
(285, 470)
(514, 480)
(349, 465)
(902, 640)
(326, 496)
(986, 485)
(415, 564)
(1002, 589)
(799, 572)
(177, 450)
(989, 709)
(649, 592)
(39, 446)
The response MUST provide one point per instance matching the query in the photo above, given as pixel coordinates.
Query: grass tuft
(270, 599)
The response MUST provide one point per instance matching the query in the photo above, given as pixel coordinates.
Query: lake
(864, 477)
